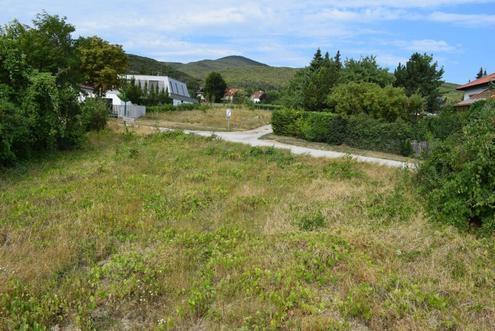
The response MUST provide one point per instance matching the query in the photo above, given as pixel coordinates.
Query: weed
(346, 168)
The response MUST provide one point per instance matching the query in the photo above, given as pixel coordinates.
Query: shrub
(13, 132)
(360, 131)
(284, 122)
(457, 179)
(448, 122)
(389, 103)
(42, 109)
(369, 133)
(94, 114)
(70, 110)
(323, 127)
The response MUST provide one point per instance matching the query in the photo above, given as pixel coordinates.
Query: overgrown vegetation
(214, 235)
(457, 179)
(41, 68)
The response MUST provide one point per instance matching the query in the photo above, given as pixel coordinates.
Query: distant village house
(258, 96)
(479, 89)
(230, 94)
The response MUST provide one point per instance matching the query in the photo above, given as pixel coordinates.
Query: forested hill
(146, 66)
(240, 71)
(237, 71)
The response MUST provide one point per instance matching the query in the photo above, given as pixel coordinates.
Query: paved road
(252, 138)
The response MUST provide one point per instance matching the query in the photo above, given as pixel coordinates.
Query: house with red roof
(479, 89)
(258, 96)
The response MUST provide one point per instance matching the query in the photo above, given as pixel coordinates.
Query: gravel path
(252, 138)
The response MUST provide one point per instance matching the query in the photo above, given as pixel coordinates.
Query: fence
(129, 111)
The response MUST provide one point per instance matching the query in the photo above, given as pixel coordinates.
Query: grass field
(172, 231)
(211, 119)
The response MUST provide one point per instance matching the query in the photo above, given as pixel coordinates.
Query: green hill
(145, 66)
(449, 91)
(239, 71)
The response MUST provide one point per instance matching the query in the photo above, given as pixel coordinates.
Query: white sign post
(228, 115)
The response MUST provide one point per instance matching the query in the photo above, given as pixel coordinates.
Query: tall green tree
(422, 76)
(310, 86)
(215, 87)
(101, 63)
(47, 46)
(320, 79)
(365, 70)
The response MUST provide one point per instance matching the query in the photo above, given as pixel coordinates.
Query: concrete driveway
(252, 138)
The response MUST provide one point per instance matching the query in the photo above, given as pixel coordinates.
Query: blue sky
(459, 33)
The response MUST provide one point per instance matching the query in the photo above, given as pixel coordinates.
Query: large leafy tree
(214, 87)
(101, 63)
(423, 76)
(47, 46)
(365, 70)
(389, 103)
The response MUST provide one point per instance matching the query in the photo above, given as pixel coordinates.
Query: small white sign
(228, 113)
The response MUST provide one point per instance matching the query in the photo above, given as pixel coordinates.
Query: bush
(323, 127)
(70, 110)
(388, 103)
(42, 109)
(13, 133)
(457, 179)
(448, 122)
(285, 122)
(360, 131)
(94, 114)
(369, 133)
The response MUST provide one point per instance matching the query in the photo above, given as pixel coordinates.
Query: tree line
(41, 69)
(329, 83)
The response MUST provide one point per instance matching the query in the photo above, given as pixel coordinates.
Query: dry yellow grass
(172, 231)
(211, 119)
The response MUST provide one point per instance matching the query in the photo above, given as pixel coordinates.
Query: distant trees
(144, 95)
(101, 63)
(420, 75)
(214, 87)
(481, 73)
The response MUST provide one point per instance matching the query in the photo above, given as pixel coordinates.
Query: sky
(460, 34)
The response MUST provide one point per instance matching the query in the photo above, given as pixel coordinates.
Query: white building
(177, 90)
(476, 90)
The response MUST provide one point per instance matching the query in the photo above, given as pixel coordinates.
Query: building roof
(231, 92)
(258, 94)
(481, 81)
(486, 94)
(174, 87)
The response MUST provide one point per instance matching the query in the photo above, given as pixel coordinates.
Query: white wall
(475, 90)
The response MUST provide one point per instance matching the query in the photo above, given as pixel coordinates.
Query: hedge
(360, 131)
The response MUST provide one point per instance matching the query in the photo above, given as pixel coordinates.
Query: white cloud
(425, 45)
(464, 19)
